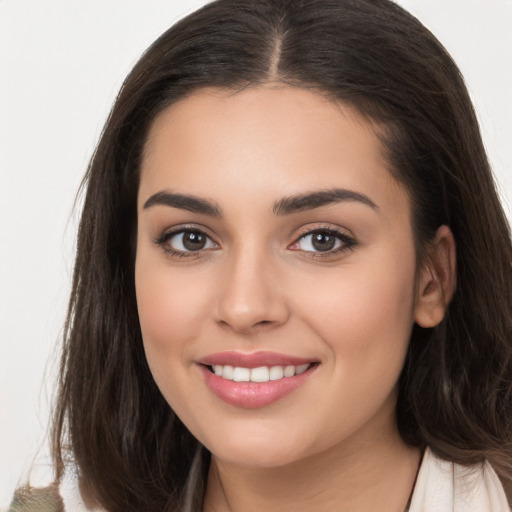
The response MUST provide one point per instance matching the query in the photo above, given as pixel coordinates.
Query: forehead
(266, 141)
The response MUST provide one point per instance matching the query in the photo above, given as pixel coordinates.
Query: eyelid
(173, 230)
(168, 233)
(348, 240)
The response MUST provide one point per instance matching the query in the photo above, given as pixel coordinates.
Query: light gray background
(61, 64)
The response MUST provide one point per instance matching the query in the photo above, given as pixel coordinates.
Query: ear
(436, 279)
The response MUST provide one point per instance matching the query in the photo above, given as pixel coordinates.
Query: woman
(292, 284)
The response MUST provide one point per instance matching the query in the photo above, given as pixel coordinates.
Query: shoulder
(444, 486)
(37, 499)
(63, 497)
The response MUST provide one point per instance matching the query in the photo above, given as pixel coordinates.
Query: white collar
(448, 487)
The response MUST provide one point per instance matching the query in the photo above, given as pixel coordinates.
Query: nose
(251, 297)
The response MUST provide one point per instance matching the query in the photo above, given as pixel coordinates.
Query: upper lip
(252, 360)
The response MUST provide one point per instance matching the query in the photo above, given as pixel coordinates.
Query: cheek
(169, 313)
(164, 306)
(364, 317)
(365, 312)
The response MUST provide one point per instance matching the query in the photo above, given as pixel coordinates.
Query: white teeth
(276, 373)
(260, 374)
(241, 374)
(289, 371)
(301, 369)
(227, 373)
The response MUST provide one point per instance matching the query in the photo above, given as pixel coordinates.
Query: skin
(332, 444)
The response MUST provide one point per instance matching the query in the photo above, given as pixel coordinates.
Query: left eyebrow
(309, 201)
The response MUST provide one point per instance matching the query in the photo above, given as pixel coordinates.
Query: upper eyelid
(174, 230)
(345, 236)
(309, 229)
(162, 240)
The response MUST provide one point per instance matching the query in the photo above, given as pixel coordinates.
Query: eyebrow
(309, 201)
(285, 206)
(184, 202)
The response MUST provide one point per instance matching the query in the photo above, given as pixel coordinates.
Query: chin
(260, 447)
(256, 458)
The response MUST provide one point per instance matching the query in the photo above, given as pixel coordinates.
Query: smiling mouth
(249, 383)
(259, 374)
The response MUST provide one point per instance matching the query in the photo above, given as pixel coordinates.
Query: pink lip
(251, 395)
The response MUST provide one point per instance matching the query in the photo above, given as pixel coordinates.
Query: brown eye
(190, 240)
(324, 241)
(194, 240)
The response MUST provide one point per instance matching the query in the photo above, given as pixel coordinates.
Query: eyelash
(164, 239)
(344, 241)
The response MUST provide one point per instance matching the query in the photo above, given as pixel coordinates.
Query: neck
(356, 475)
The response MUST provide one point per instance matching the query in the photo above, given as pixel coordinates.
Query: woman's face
(274, 249)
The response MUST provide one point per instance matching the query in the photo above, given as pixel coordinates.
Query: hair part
(131, 450)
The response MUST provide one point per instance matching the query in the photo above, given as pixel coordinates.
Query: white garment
(440, 487)
(447, 487)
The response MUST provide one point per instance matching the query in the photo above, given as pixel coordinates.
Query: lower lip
(251, 395)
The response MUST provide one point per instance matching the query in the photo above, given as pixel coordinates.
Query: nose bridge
(249, 293)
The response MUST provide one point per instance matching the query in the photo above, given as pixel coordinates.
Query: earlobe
(436, 280)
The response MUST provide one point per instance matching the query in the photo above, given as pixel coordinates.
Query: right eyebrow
(184, 202)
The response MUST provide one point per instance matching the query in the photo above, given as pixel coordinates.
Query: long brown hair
(131, 450)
